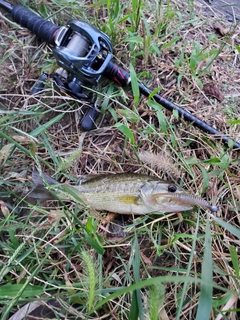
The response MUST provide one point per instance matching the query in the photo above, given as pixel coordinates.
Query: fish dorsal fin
(94, 177)
(88, 177)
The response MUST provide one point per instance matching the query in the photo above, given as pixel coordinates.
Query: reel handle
(39, 85)
(90, 117)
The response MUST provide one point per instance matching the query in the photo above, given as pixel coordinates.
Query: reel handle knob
(90, 117)
(39, 85)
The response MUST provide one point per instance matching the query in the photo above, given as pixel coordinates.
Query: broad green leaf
(126, 131)
(234, 122)
(169, 43)
(95, 243)
(134, 39)
(161, 116)
(193, 63)
(134, 85)
(91, 235)
(238, 48)
(212, 160)
(129, 115)
(222, 300)
(205, 179)
(98, 3)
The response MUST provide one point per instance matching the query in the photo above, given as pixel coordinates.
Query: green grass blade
(134, 85)
(134, 309)
(205, 299)
(188, 271)
(93, 240)
(154, 36)
(146, 283)
(234, 230)
(46, 125)
(235, 262)
(136, 306)
(12, 290)
(18, 145)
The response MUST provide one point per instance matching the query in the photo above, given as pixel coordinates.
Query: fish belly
(119, 203)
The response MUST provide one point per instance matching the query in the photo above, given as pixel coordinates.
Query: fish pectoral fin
(128, 199)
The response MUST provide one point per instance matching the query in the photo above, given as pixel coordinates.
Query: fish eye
(172, 188)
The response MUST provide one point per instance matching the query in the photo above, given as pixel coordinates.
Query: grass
(163, 267)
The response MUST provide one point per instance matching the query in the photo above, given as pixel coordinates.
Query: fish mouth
(185, 200)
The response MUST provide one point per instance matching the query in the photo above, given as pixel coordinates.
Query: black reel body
(83, 53)
(79, 50)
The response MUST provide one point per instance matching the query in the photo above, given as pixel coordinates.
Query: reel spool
(79, 50)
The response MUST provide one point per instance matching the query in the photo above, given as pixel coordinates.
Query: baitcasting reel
(82, 53)
(79, 50)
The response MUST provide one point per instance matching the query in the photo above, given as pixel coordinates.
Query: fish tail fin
(40, 181)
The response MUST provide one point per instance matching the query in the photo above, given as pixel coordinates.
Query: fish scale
(116, 182)
(121, 192)
(127, 193)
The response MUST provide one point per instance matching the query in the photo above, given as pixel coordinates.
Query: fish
(125, 193)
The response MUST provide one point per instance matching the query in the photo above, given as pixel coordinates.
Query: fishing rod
(84, 54)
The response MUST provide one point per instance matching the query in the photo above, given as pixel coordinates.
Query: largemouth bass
(127, 193)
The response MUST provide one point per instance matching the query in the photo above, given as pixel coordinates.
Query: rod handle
(42, 28)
